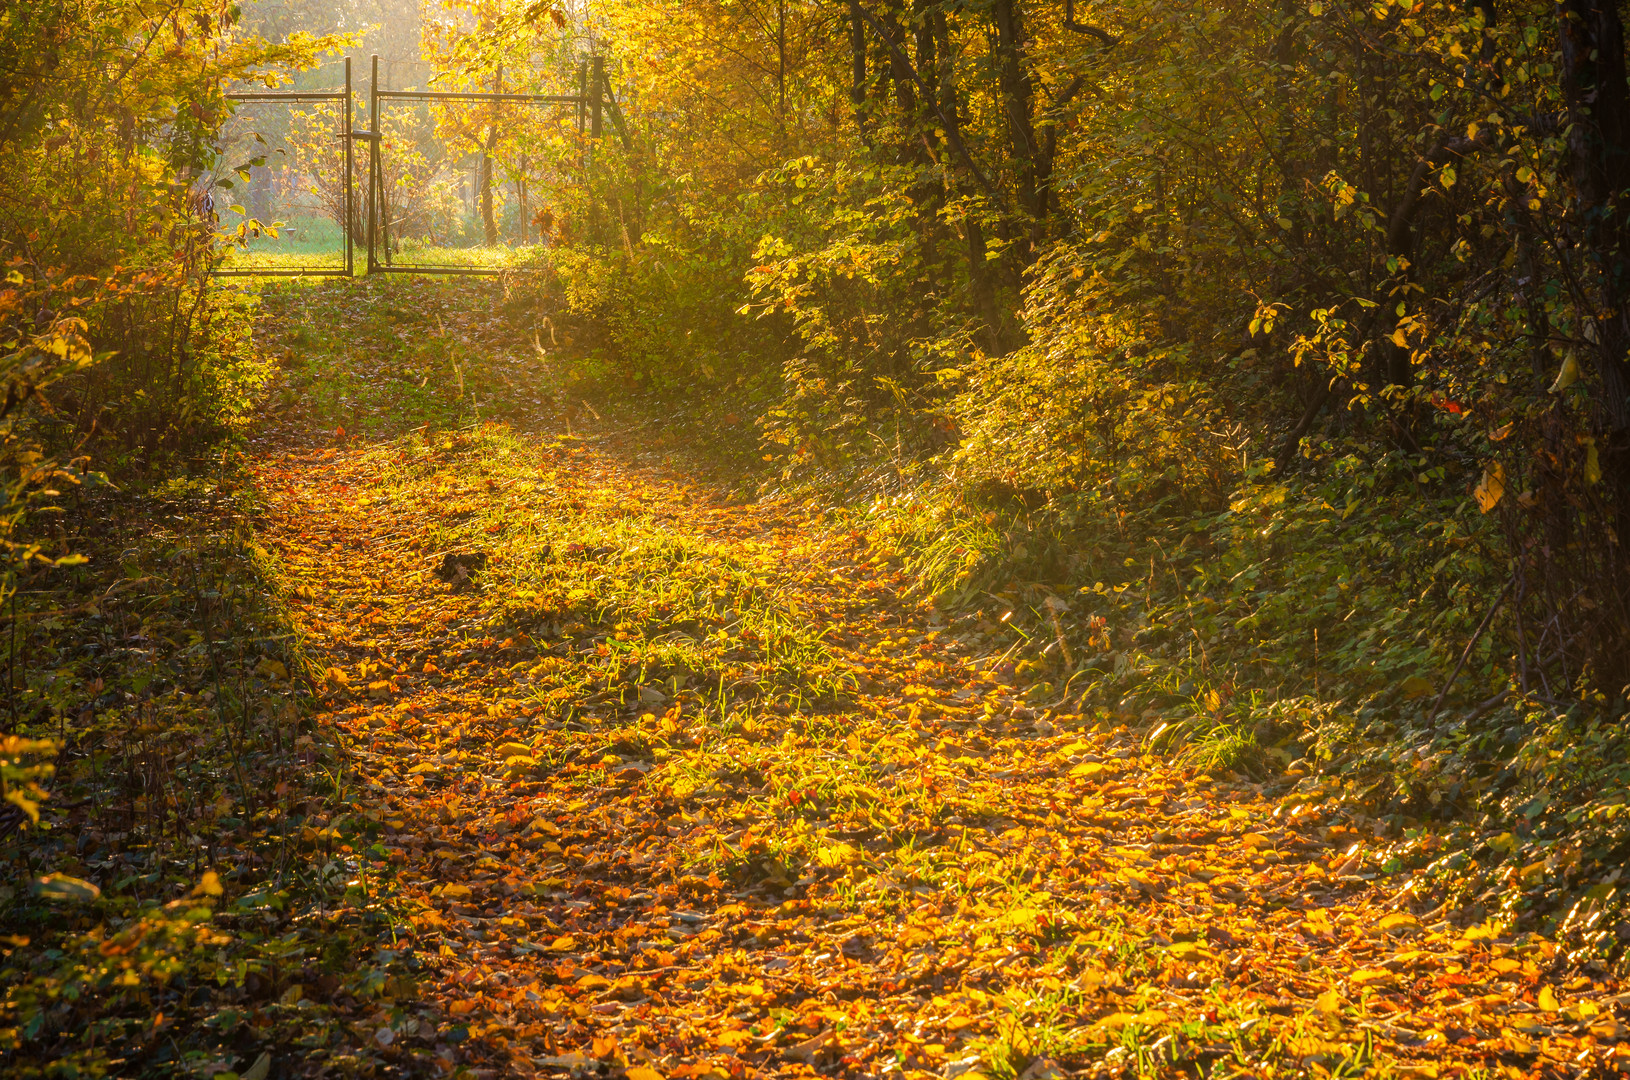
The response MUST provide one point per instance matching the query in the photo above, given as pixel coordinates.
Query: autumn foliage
(1001, 539)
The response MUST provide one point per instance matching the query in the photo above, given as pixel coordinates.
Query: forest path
(651, 781)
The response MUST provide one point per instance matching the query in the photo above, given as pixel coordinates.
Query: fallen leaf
(1491, 487)
(65, 888)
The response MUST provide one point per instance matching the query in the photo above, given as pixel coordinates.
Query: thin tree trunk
(781, 64)
(520, 201)
(905, 97)
(1018, 94)
(857, 49)
(489, 221)
(1593, 81)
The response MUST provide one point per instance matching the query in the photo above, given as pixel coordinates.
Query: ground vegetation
(971, 539)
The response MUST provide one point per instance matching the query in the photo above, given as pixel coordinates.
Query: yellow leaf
(513, 749)
(563, 943)
(455, 892)
(1328, 1002)
(260, 1069)
(1492, 487)
(209, 886)
(838, 854)
(639, 1072)
(1415, 687)
(1090, 768)
(1593, 464)
(1567, 376)
(63, 887)
(1547, 1000)
(1517, 1044)
(1121, 1019)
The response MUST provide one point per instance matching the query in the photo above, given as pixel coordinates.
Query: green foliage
(873, 313)
(24, 766)
(108, 233)
(1097, 412)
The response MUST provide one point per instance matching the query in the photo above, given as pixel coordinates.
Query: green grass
(502, 256)
(397, 352)
(305, 242)
(320, 254)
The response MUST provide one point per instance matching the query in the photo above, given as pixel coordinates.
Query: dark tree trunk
(1018, 96)
(489, 221)
(922, 29)
(1591, 36)
(905, 96)
(857, 50)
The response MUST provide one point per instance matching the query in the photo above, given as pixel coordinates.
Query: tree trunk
(1591, 36)
(905, 97)
(781, 66)
(1018, 95)
(857, 49)
(522, 221)
(489, 222)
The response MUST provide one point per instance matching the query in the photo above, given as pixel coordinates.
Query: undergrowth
(1310, 630)
(1322, 623)
(202, 881)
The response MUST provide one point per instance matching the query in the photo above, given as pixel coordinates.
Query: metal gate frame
(593, 99)
(593, 96)
(346, 135)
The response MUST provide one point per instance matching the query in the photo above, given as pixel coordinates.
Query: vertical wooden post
(597, 89)
(346, 208)
(520, 201)
(582, 92)
(373, 162)
(489, 222)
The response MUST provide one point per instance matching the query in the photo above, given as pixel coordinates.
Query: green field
(314, 243)
(311, 252)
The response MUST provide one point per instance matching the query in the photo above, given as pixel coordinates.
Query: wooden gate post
(347, 208)
(597, 86)
(582, 93)
(373, 161)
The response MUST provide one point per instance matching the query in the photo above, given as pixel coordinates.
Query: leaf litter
(660, 784)
(609, 774)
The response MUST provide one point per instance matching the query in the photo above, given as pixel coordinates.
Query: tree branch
(952, 135)
(1109, 40)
